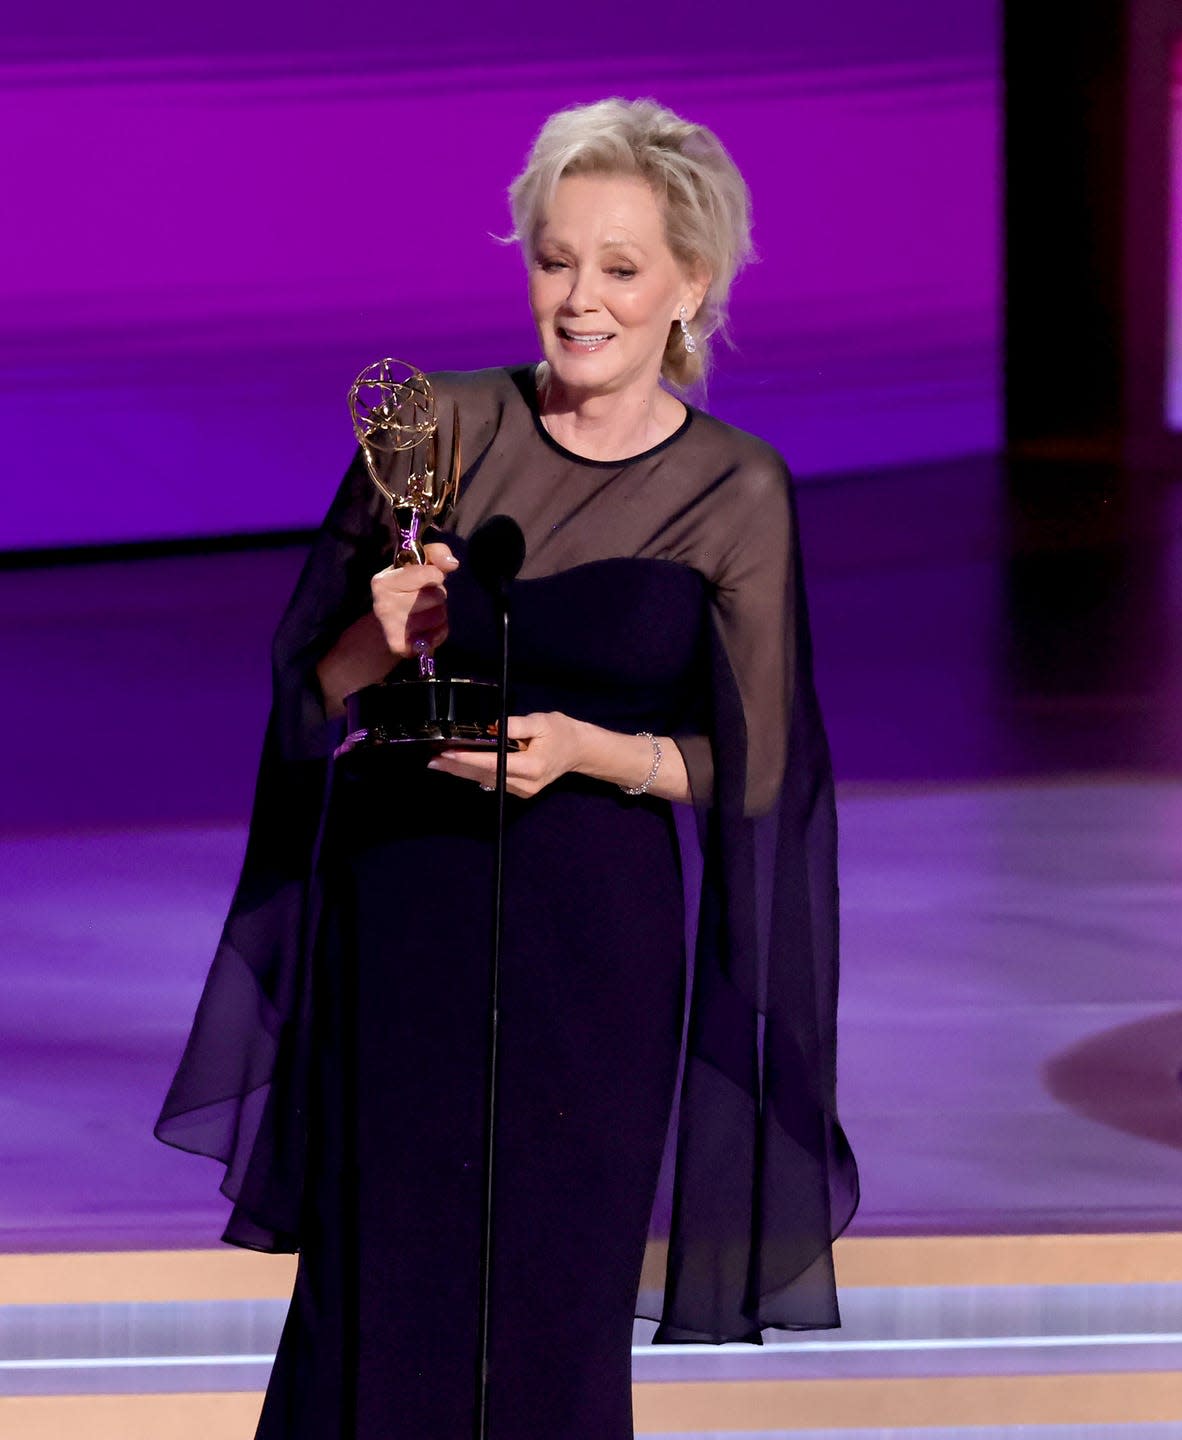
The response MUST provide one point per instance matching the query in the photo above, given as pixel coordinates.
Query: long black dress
(660, 593)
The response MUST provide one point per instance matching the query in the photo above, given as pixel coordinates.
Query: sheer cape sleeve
(764, 1177)
(239, 1093)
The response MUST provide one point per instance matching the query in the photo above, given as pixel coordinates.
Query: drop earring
(691, 344)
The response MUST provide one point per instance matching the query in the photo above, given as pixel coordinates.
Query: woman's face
(604, 287)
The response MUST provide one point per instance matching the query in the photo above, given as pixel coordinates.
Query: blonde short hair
(706, 201)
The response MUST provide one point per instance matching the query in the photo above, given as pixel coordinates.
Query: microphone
(496, 552)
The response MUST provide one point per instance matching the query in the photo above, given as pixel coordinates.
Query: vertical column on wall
(1152, 237)
(1087, 155)
(1065, 115)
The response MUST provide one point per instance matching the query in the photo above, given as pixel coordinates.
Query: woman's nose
(582, 295)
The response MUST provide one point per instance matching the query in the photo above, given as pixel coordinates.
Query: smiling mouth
(583, 342)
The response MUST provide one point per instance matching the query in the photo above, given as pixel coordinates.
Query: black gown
(337, 1059)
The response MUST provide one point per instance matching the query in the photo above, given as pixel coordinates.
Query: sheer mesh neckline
(525, 377)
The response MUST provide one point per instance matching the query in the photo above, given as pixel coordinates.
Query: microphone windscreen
(496, 551)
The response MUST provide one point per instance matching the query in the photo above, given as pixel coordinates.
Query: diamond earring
(691, 344)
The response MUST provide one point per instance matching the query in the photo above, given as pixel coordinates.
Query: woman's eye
(622, 272)
(549, 266)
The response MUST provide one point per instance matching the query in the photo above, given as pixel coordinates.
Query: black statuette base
(443, 713)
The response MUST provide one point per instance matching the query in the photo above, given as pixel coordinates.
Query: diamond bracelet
(652, 774)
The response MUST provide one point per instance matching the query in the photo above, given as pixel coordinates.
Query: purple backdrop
(213, 221)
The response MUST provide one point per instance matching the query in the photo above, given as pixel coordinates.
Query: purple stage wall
(212, 222)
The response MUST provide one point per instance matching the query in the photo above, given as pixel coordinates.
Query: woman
(661, 655)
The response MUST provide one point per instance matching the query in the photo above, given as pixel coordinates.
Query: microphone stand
(490, 1099)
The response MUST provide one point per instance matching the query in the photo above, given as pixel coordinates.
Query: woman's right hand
(410, 604)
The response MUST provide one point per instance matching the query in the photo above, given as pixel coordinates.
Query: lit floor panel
(211, 1345)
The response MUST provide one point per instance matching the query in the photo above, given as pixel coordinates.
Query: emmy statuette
(395, 419)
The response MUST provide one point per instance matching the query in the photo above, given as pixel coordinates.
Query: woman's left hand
(551, 745)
